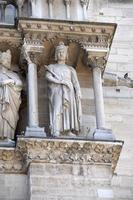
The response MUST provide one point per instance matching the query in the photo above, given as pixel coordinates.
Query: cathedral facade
(66, 99)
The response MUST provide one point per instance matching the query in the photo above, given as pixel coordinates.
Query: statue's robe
(64, 102)
(9, 104)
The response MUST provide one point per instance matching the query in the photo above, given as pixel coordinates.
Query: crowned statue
(64, 95)
(10, 97)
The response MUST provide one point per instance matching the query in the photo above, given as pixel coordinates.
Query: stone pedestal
(103, 134)
(35, 132)
(66, 169)
(61, 168)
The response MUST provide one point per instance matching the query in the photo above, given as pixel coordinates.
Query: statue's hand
(68, 84)
(7, 82)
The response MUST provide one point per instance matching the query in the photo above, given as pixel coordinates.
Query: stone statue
(10, 91)
(64, 96)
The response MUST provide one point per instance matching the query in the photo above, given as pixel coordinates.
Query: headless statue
(10, 93)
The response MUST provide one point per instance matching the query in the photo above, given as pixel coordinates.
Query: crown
(61, 46)
(34, 45)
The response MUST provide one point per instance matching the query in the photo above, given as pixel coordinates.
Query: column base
(103, 134)
(7, 143)
(35, 132)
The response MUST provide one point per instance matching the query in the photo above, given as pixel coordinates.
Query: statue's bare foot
(56, 134)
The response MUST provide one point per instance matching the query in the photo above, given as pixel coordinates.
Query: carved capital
(84, 2)
(96, 62)
(67, 2)
(20, 3)
(50, 1)
(32, 49)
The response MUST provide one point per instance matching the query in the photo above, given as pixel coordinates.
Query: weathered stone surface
(69, 151)
(13, 187)
(11, 160)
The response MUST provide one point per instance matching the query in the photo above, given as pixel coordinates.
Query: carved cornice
(96, 35)
(11, 37)
(91, 37)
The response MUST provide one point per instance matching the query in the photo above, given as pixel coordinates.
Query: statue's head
(61, 52)
(5, 59)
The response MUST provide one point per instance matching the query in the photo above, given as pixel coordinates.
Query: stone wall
(68, 182)
(119, 99)
(13, 187)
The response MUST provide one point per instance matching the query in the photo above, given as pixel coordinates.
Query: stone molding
(61, 151)
(95, 35)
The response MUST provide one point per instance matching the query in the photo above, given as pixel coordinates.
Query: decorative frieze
(60, 151)
(11, 161)
(69, 151)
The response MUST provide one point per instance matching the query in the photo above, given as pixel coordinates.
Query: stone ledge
(58, 151)
(11, 160)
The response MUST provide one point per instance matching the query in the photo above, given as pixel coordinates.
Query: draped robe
(9, 103)
(64, 102)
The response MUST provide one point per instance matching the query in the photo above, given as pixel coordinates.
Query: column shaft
(99, 102)
(32, 95)
(50, 10)
(2, 12)
(68, 11)
(84, 12)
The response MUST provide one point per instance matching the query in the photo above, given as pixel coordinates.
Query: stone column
(97, 65)
(67, 4)
(33, 128)
(98, 94)
(3, 6)
(84, 6)
(20, 5)
(33, 7)
(50, 4)
(32, 95)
